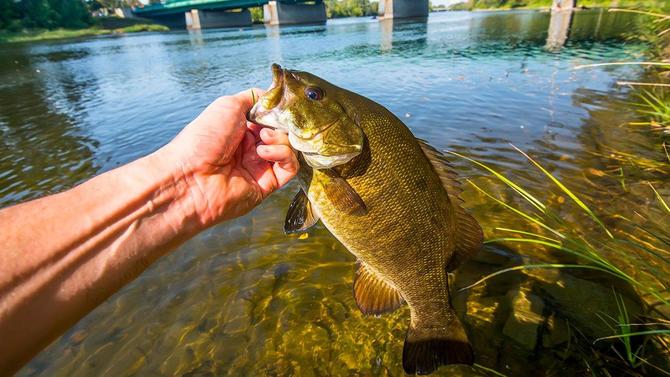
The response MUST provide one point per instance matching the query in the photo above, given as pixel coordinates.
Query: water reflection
(43, 149)
(410, 35)
(196, 37)
(244, 299)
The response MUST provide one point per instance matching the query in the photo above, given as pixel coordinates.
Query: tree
(48, 14)
(8, 14)
(350, 8)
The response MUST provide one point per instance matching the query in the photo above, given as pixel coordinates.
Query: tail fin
(427, 348)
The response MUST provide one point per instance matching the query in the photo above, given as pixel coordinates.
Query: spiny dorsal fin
(300, 216)
(469, 233)
(373, 294)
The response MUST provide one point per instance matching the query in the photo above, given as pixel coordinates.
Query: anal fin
(372, 293)
(300, 215)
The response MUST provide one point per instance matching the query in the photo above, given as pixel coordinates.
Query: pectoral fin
(373, 294)
(343, 196)
(300, 216)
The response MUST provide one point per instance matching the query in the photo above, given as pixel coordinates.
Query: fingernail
(267, 132)
(261, 148)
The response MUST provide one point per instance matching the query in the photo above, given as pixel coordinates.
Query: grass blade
(620, 63)
(518, 212)
(528, 234)
(660, 198)
(637, 333)
(567, 191)
(531, 266)
(525, 194)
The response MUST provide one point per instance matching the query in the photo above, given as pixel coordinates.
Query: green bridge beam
(179, 6)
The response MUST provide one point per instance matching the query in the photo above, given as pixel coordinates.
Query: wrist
(173, 194)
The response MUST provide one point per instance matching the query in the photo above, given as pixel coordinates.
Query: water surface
(244, 299)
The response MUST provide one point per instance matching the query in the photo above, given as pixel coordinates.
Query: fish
(391, 199)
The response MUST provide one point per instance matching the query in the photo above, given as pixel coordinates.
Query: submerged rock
(583, 302)
(557, 331)
(525, 319)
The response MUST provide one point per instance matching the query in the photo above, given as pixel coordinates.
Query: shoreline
(64, 34)
(38, 35)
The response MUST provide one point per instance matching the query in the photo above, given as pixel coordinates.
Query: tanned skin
(64, 254)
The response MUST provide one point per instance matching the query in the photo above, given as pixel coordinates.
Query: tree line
(75, 14)
(350, 8)
(45, 14)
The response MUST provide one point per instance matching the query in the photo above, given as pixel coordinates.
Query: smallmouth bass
(391, 199)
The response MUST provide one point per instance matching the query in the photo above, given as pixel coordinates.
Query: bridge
(203, 14)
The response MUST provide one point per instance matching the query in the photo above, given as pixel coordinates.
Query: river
(244, 299)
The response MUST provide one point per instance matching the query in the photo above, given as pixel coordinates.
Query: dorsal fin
(373, 294)
(469, 234)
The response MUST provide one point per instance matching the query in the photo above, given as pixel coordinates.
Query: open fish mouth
(285, 107)
(266, 111)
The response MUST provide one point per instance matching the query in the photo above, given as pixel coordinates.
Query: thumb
(247, 98)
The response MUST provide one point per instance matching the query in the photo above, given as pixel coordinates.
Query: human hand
(226, 164)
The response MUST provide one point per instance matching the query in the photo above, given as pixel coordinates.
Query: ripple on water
(244, 299)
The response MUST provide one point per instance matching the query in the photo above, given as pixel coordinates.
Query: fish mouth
(272, 109)
(273, 98)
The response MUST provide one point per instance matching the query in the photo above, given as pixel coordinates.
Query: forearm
(63, 255)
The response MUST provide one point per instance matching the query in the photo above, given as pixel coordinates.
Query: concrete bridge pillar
(559, 29)
(563, 5)
(278, 13)
(402, 9)
(208, 19)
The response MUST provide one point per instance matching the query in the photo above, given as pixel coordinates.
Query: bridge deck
(177, 6)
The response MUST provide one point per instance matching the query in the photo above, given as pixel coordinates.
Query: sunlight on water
(244, 299)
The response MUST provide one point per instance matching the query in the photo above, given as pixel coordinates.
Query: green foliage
(256, 15)
(45, 14)
(8, 13)
(534, 4)
(43, 35)
(142, 27)
(565, 236)
(350, 8)
(621, 255)
(502, 4)
(654, 103)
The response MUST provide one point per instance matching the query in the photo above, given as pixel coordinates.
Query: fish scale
(389, 198)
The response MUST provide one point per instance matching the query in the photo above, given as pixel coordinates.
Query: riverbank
(546, 4)
(43, 35)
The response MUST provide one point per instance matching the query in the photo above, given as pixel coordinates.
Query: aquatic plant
(616, 252)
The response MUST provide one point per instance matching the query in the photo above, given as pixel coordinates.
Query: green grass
(657, 108)
(569, 239)
(624, 332)
(43, 35)
(546, 4)
(141, 28)
(611, 251)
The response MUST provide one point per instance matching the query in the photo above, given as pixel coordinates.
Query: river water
(244, 299)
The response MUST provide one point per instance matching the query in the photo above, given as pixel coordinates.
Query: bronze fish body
(389, 198)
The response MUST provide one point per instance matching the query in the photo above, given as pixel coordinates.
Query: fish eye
(315, 94)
